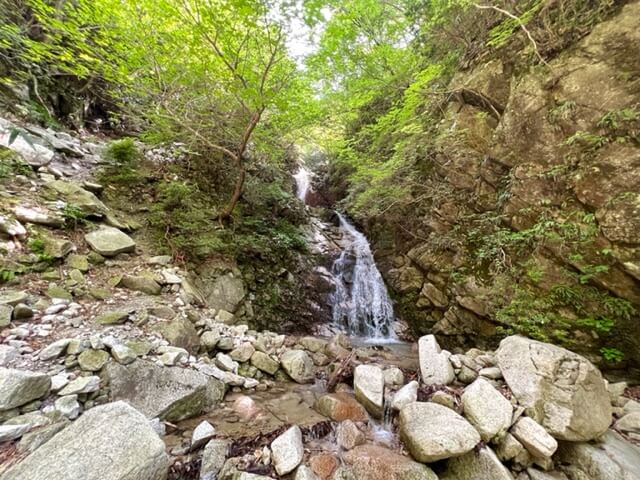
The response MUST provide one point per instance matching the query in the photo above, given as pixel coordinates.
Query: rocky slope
(524, 216)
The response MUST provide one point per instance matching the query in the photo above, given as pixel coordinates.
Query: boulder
(123, 354)
(561, 390)
(93, 360)
(287, 450)
(109, 241)
(340, 407)
(348, 435)
(480, 465)
(13, 297)
(78, 197)
(169, 393)
(486, 409)
(213, 458)
(116, 443)
(630, 423)
(432, 432)
(112, 318)
(298, 365)
(38, 216)
(19, 387)
(81, 385)
(368, 385)
(405, 396)
(241, 354)
(534, 438)
(435, 367)
(264, 362)
(6, 312)
(181, 333)
(12, 432)
(305, 473)
(612, 458)
(372, 462)
(140, 283)
(202, 434)
(225, 293)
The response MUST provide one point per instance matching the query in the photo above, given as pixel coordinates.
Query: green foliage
(73, 216)
(122, 152)
(612, 354)
(502, 33)
(7, 275)
(39, 247)
(11, 164)
(590, 141)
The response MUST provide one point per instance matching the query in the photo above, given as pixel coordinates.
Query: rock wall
(531, 217)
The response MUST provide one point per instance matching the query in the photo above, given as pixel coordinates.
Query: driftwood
(343, 373)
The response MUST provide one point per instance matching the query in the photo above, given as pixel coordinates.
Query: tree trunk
(237, 193)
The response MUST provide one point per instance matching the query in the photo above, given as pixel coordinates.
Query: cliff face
(531, 220)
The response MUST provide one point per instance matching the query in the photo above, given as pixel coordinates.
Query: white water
(303, 182)
(361, 303)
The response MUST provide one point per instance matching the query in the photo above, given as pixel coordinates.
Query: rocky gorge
(115, 365)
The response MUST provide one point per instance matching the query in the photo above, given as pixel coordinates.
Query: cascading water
(361, 303)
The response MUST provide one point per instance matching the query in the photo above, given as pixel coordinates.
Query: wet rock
(371, 462)
(298, 366)
(122, 447)
(486, 409)
(481, 465)
(19, 387)
(264, 362)
(340, 407)
(213, 458)
(405, 396)
(287, 450)
(109, 241)
(93, 360)
(612, 458)
(181, 333)
(435, 367)
(561, 390)
(112, 318)
(348, 435)
(81, 385)
(202, 434)
(140, 283)
(432, 432)
(169, 393)
(534, 438)
(368, 385)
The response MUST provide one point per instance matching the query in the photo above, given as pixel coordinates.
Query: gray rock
(486, 409)
(435, 367)
(116, 442)
(19, 387)
(112, 318)
(561, 390)
(241, 354)
(123, 354)
(534, 438)
(38, 216)
(226, 293)
(78, 197)
(313, 344)
(509, 448)
(225, 362)
(393, 376)
(630, 423)
(172, 356)
(202, 434)
(13, 297)
(287, 450)
(298, 365)
(264, 362)
(37, 437)
(68, 406)
(6, 313)
(612, 458)
(11, 432)
(81, 385)
(140, 283)
(213, 458)
(169, 393)
(181, 333)
(12, 228)
(54, 350)
(209, 340)
(109, 241)
(93, 360)
(8, 354)
(373, 462)
(405, 396)
(368, 386)
(481, 465)
(27, 146)
(432, 432)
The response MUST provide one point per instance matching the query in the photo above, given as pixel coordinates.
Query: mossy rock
(54, 291)
(112, 318)
(78, 262)
(93, 360)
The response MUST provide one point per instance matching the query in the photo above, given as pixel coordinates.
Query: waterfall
(361, 303)
(303, 182)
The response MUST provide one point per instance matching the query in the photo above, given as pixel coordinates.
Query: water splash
(303, 182)
(361, 304)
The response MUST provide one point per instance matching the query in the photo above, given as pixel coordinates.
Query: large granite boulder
(298, 365)
(18, 387)
(109, 442)
(170, 393)
(480, 465)
(432, 432)
(561, 390)
(487, 409)
(368, 385)
(435, 367)
(287, 450)
(225, 293)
